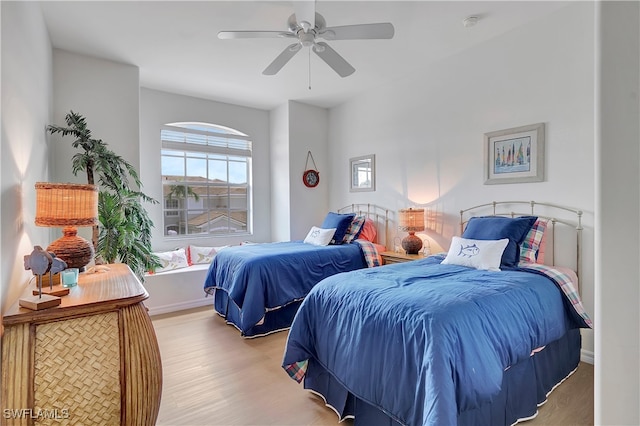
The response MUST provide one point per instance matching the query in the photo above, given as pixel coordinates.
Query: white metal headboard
(502, 208)
(379, 215)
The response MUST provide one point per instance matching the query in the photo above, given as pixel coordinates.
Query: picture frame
(362, 173)
(514, 155)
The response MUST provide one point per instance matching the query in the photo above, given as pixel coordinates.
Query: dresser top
(95, 292)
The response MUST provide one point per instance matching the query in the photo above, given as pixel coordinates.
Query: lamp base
(412, 244)
(74, 250)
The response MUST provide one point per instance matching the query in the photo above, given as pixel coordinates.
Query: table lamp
(68, 205)
(411, 221)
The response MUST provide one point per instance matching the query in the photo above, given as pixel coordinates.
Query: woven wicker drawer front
(77, 370)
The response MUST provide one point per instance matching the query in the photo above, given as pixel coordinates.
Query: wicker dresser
(93, 360)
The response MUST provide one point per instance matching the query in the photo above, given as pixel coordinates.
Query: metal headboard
(500, 208)
(379, 215)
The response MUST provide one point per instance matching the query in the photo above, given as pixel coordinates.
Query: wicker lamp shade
(411, 221)
(68, 205)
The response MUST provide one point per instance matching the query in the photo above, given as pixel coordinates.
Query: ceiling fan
(307, 27)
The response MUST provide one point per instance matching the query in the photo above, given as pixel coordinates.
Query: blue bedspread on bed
(437, 337)
(262, 277)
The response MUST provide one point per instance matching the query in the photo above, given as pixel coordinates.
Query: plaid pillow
(530, 246)
(354, 229)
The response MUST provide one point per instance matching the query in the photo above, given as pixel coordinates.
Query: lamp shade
(411, 220)
(68, 205)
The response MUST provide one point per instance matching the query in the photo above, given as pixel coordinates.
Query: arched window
(206, 179)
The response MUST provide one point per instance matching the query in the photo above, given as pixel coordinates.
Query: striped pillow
(530, 246)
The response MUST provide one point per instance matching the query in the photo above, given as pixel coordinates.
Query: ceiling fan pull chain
(310, 68)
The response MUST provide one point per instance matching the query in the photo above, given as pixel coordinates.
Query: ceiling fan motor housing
(294, 25)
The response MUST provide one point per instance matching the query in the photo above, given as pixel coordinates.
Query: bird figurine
(39, 262)
(57, 265)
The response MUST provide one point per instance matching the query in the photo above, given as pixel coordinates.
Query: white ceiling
(175, 44)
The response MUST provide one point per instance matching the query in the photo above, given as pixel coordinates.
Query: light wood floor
(212, 376)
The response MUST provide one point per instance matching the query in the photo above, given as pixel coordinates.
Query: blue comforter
(263, 277)
(423, 341)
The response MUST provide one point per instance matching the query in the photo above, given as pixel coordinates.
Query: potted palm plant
(124, 232)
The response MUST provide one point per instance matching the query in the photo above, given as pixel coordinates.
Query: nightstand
(92, 360)
(389, 257)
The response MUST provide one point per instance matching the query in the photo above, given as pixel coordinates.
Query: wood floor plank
(212, 376)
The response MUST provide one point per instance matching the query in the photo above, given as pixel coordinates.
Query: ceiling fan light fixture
(307, 39)
(318, 48)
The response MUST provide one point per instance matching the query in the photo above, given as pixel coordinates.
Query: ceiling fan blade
(305, 11)
(282, 59)
(359, 32)
(254, 34)
(333, 59)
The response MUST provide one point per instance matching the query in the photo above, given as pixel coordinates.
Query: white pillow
(479, 254)
(199, 255)
(170, 260)
(319, 236)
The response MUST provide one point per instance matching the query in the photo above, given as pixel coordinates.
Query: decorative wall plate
(311, 178)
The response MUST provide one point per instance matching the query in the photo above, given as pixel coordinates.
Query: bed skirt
(274, 320)
(525, 387)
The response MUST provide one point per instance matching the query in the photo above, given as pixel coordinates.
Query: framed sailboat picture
(515, 155)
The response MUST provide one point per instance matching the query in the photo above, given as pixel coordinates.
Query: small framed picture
(515, 155)
(363, 173)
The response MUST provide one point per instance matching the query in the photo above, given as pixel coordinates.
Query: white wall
(107, 94)
(308, 132)
(159, 108)
(26, 110)
(280, 179)
(296, 129)
(427, 130)
(617, 373)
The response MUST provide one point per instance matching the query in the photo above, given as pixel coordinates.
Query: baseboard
(587, 356)
(165, 309)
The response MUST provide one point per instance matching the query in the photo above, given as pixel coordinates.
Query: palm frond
(125, 227)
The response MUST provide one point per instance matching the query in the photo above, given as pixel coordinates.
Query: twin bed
(479, 335)
(448, 339)
(259, 287)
